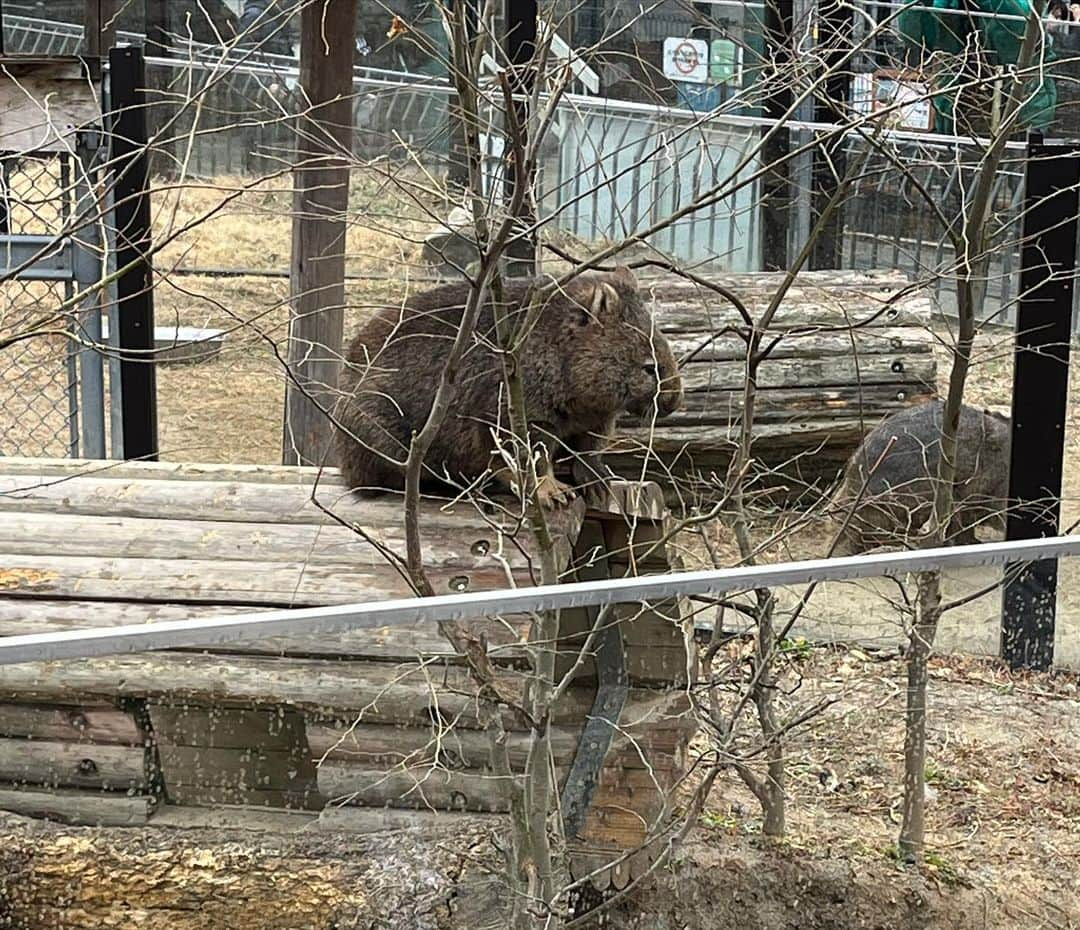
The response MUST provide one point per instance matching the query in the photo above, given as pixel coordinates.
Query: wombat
(899, 480)
(592, 354)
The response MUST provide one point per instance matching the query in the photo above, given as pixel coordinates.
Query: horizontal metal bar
(75, 644)
(45, 258)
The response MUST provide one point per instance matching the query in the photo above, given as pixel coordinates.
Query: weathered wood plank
(690, 312)
(336, 818)
(72, 765)
(888, 340)
(79, 724)
(80, 808)
(260, 584)
(869, 401)
(374, 691)
(715, 443)
(296, 475)
(374, 746)
(218, 500)
(811, 372)
(418, 788)
(768, 281)
(471, 790)
(445, 547)
(21, 616)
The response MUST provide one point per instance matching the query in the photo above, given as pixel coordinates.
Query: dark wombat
(592, 354)
(899, 493)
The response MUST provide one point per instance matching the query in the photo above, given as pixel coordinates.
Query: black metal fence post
(1040, 393)
(135, 293)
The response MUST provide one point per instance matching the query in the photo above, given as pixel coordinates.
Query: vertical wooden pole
(520, 50)
(99, 27)
(1040, 396)
(835, 26)
(134, 289)
(320, 199)
(776, 184)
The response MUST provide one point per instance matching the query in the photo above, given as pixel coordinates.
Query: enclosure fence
(611, 167)
(44, 398)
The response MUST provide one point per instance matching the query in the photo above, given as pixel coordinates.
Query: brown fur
(591, 355)
(891, 478)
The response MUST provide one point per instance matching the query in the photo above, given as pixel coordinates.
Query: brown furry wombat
(899, 483)
(592, 354)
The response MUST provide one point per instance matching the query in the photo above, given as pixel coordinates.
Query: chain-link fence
(888, 223)
(39, 379)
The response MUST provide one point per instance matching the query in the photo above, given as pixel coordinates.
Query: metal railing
(888, 223)
(214, 631)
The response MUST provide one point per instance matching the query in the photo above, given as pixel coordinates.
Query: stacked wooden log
(845, 353)
(368, 719)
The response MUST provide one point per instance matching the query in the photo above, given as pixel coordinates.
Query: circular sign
(685, 58)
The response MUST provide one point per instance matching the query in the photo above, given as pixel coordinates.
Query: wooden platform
(845, 359)
(380, 720)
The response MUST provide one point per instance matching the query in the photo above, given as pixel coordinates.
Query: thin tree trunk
(927, 615)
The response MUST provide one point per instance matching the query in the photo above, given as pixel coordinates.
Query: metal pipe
(215, 631)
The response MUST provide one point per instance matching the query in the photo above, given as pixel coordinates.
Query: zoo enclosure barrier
(52, 387)
(78, 261)
(611, 168)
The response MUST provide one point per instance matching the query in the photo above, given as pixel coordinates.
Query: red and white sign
(686, 60)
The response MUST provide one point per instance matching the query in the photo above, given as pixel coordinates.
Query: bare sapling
(972, 248)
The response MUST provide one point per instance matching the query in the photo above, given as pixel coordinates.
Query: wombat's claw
(552, 493)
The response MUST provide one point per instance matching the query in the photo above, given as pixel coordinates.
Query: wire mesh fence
(39, 378)
(888, 225)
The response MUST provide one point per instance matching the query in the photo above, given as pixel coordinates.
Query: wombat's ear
(605, 300)
(623, 277)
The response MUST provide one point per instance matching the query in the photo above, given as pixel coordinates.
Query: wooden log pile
(385, 719)
(845, 353)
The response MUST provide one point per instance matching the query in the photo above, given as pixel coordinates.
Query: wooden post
(520, 50)
(1040, 396)
(99, 27)
(830, 157)
(776, 184)
(321, 194)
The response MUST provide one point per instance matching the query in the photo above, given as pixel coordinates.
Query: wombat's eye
(652, 371)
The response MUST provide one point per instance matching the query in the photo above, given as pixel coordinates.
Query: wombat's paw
(552, 493)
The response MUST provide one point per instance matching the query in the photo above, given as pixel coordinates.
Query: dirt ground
(1003, 836)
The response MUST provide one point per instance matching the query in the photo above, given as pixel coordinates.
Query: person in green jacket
(925, 31)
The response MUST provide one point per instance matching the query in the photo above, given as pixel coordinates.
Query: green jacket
(923, 29)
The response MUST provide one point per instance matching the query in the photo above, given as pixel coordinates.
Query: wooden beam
(97, 809)
(321, 194)
(99, 27)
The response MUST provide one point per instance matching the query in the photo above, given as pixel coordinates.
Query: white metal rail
(75, 644)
